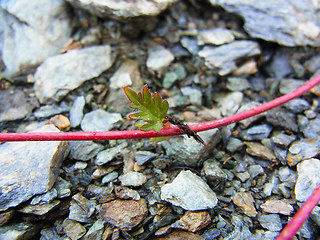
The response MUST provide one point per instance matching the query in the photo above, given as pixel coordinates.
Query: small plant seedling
(153, 111)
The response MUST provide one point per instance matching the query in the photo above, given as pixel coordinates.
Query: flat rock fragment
(60, 74)
(190, 192)
(277, 206)
(193, 221)
(246, 202)
(29, 168)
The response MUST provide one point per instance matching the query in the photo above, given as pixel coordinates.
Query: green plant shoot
(153, 110)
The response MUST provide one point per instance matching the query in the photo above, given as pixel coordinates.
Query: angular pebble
(73, 229)
(297, 105)
(134, 179)
(312, 129)
(257, 132)
(99, 120)
(190, 192)
(259, 150)
(216, 36)
(303, 149)
(246, 202)
(159, 59)
(109, 154)
(84, 150)
(308, 178)
(281, 118)
(29, 168)
(124, 214)
(283, 140)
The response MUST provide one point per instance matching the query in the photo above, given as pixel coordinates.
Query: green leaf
(152, 109)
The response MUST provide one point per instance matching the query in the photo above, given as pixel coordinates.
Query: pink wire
(172, 131)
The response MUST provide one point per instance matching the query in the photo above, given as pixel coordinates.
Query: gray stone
(76, 111)
(50, 233)
(134, 179)
(315, 215)
(280, 66)
(287, 176)
(303, 149)
(18, 231)
(60, 74)
(247, 106)
(313, 64)
(288, 85)
(286, 22)
(257, 132)
(95, 231)
(234, 144)
(81, 209)
(99, 120)
(212, 169)
(190, 44)
(125, 9)
(190, 192)
(159, 59)
(237, 84)
(50, 110)
(109, 177)
(283, 140)
(185, 149)
(194, 95)
(109, 154)
(62, 187)
(84, 150)
(143, 157)
(273, 184)
(243, 176)
(169, 79)
(215, 36)
(255, 170)
(307, 230)
(272, 222)
(308, 178)
(312, 129)
(45, 198)
(29, 168)
(281, 118)
(297, 105)
(126, 75)
(73, 229)
(15, 104)
(229, 103)
(40, 209)
(224, 58)
(28, 39)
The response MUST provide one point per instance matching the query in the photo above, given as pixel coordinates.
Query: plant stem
(172, 131)
(300, 217)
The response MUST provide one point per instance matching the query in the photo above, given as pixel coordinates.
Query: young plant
(153, 111)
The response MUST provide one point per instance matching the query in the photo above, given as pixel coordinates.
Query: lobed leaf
(152, 109)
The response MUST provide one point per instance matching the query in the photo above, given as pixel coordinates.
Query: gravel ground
(63, 68)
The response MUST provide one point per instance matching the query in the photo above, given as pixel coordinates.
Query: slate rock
(211, 168)
(246, 202)
(237, 84)
(127, 9)
(234, 144)
(229, 103)
(190, 44)
(60, 74)
(178, 235)
(28, 39)
(288, 85)
(255, 170)
(280, 65)
(247, 106)
(81, 209)
(303, 149)
(76, 111)
(283, 140)
(84, 150)
(224, 58)
(272, 222)
(259, 150)
(312, 128)
(110, 177)
(286, 22)
(95, 231)
(26, 171)
(308, 178)
(5, 216)
(190, 192)
(40, 209)
(124, 214)
(50, 110)
(45, 198)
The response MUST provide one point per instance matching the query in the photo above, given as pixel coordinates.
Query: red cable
(300, 217)
(77, 136)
